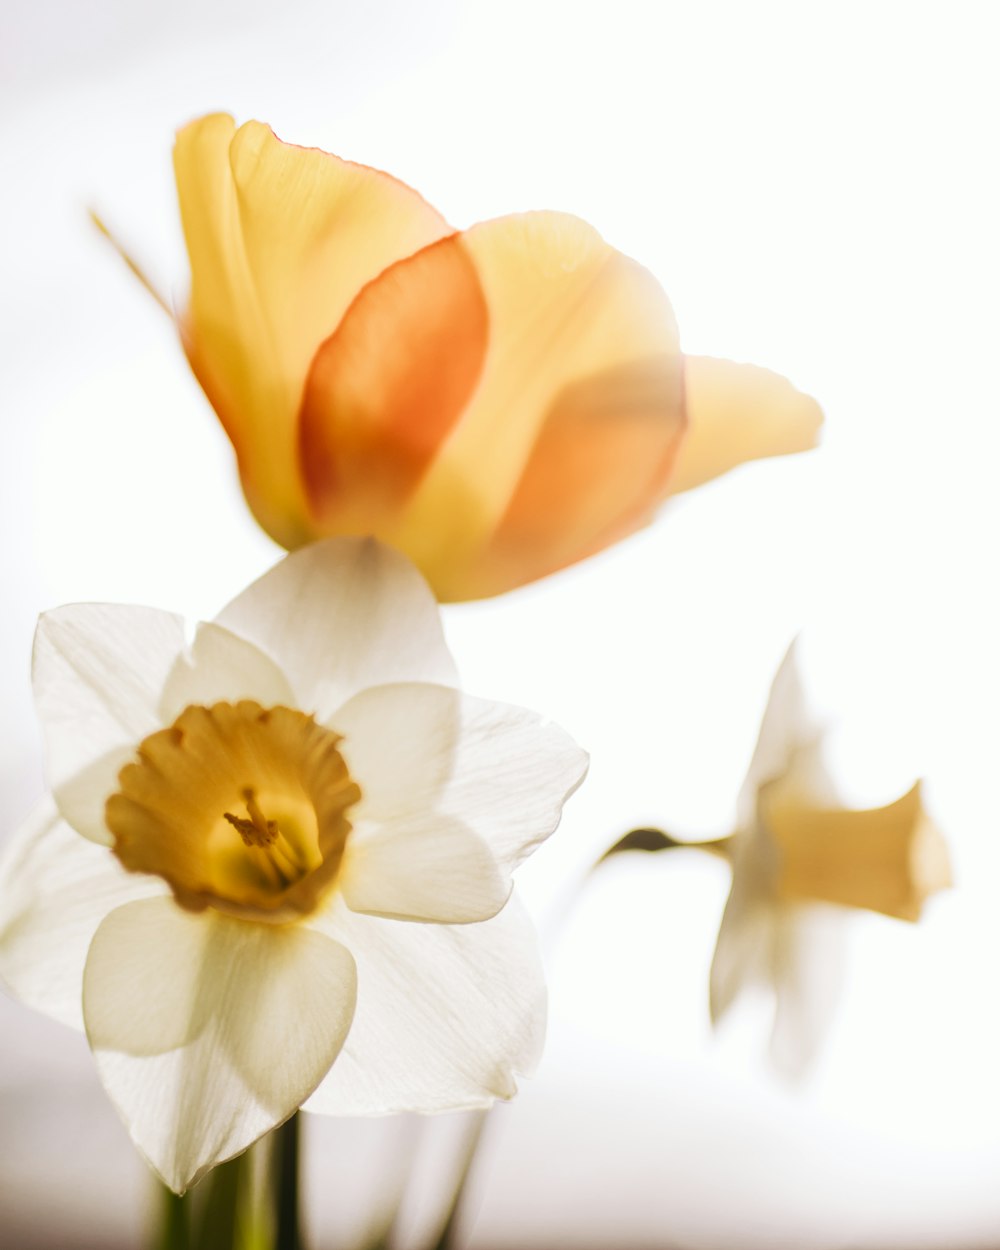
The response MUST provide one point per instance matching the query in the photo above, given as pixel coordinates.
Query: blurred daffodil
(293, 880)
(799, 859)
(496, 403)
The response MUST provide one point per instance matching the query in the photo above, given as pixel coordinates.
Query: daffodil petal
(98, 674)
(55, 889)
(808, 955)
(739, 412)
(569, 437)
(220, 666)
(341, 615)
(787, 728)
(742, 954)
(513, 772)
(500, 770)
(387, 387)
(268, 1008)
(400, 742)
(281, 239)
(430, 868)
(446, 1015)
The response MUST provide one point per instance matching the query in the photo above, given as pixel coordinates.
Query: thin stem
(218, 1228)
(132, 263)
(286, 1156)
(650, 840)
(448, 1239)
(174, 1232)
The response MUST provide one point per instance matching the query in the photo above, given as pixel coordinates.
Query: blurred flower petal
(737, 413)
(801, 860)
(582, 371)
(281, 239)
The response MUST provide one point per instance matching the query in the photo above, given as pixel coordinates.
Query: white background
(815, 185)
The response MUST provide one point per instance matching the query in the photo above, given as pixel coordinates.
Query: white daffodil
(293, 884)
(800, 859)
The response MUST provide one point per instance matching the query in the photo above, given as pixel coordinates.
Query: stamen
(174, 813)
(257, 831)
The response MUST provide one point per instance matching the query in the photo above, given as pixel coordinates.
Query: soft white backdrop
(815, 186)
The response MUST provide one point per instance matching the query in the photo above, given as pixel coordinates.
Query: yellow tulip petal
(388, 386)
(281, 239)
(739, 412)
(569, 437)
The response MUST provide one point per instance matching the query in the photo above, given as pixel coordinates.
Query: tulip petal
(431, 868)
(262, 1012)
(500, 770)
(219, 666)
(736, 413)
(281, 239)
(98, 672)
(446, 1014)
(55, 889)
(568, 440)
(387, 387)
(341, 615)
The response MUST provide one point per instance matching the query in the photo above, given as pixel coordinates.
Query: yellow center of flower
(237, 807)
(885, 859)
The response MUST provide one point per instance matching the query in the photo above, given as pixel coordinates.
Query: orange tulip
(497, 403)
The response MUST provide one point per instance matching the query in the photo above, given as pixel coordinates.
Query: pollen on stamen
(257, 830)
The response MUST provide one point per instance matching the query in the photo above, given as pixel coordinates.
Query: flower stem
(219, 1227)
(286, 1180)
(448, 1240)
(175, 1222)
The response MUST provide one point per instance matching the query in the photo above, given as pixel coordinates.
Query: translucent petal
(281, 239)
(500, 770)
(430, 867)
(446, 1015)
(568, 439)
(736, 413)
(219, 666)
(808, 955)
(387, 388)
(55, 889)
(209, 1031)
(98, 673)
(341, 615)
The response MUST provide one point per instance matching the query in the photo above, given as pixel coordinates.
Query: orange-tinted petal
(389, 384)
(281, 239)
(739, 412)
(566, 441)
(601, 464)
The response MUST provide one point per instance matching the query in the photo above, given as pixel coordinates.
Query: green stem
(219, 1226)
(174, 1232)
(656, 840)
(286, 1157)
